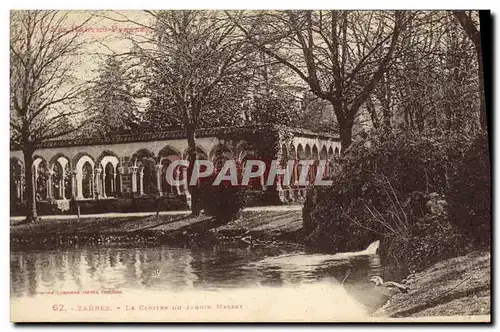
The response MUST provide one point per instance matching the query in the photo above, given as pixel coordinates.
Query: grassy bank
(454, 287)
(153, 229)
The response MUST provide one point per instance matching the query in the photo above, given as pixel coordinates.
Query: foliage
(433, 238)
(393, 188)
(223, 202)
(111, 102)
(470, 193)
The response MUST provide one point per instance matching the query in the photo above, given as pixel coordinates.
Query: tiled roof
(177, 134)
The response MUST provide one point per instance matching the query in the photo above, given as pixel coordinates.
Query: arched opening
(147, 175)
(57, 180)
(108, 174)
(292, 153)
(16, 181)
(167, 155)
(308, 152)
(41, 177)
(337, 153)
(300, 152)
(315, 152)
(324, 153)
(87, 180)
(330, 153)
(61, 178)
(221, 150)
(166, 187)
(200, 153)
(144, 162)
(109, 180)
(84, 168)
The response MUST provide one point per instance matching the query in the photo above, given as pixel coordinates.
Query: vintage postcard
(249, 166)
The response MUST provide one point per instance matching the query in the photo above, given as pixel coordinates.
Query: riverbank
(254, 226)
(458, 286)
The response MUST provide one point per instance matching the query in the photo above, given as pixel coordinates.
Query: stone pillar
(158, 178)
(120, 179)
(98, 182)
(103, 181)
(62, 187)
(113, 184)
(23, 184)
(141, 182)
(133, 170)
(73, 184)
(185, 185)
(79, 186)
(49, 186)
(177, 177)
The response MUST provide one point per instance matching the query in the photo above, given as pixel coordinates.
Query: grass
(457, 286)
(276, 221)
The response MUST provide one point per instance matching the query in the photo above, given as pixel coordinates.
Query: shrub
(433, 238)
(383, 192)
(222, 202)
(470, 193)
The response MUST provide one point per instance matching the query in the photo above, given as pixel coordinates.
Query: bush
(224, 203)
(432, 239)
(470, 193)
(387, 190)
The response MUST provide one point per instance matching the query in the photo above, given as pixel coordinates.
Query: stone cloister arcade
(135, 165)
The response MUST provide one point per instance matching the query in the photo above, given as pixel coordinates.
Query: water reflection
(179, 269)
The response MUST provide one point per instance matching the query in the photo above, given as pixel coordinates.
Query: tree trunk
(30, 194)
(373, 113)
(195, 192)
(483, 118)
(345, 134)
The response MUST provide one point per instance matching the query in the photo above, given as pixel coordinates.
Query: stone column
(79, 186)
(18, 188)
(184, 176)
(158, 178)
(133, 170)
(73, 184)
(98, 182)
(177, 177)
(103, 181)
(49, 186)
(62, 187)
(22, 188)
(141, 183)
(113, 184)
(120, 179)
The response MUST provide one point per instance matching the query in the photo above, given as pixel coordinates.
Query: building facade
(135, 165)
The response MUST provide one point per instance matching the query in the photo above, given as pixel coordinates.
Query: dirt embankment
(455, 287)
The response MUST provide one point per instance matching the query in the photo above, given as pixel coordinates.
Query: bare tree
(195, 57)
(469, 22)
(44, 50)
(340, 55)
